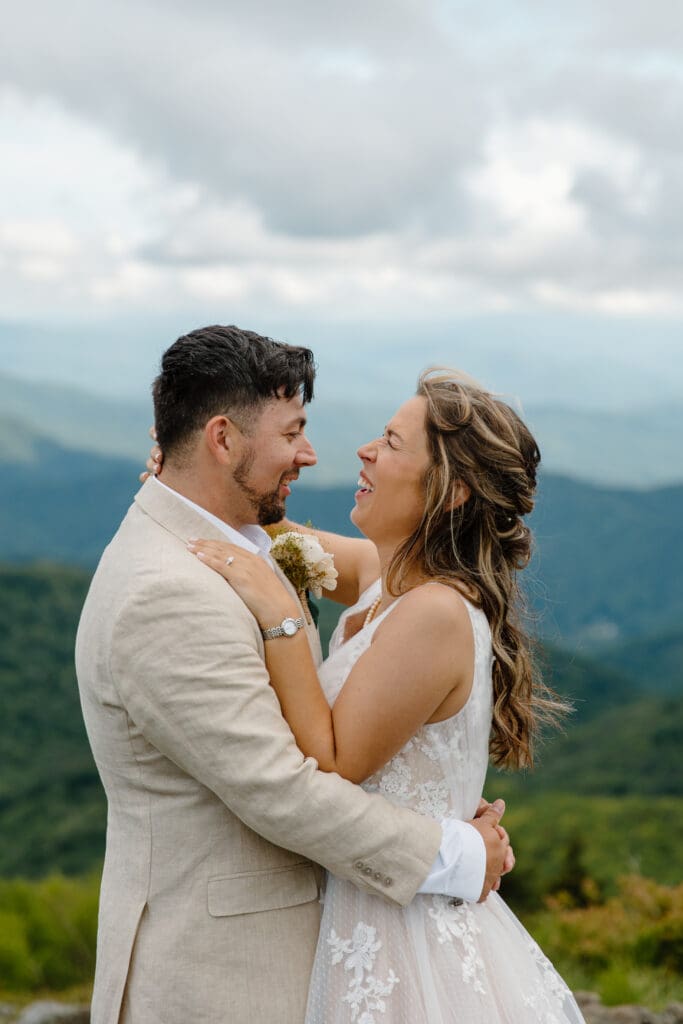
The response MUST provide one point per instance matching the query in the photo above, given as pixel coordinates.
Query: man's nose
(306, 455)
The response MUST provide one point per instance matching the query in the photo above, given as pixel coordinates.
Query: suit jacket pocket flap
(262, 890)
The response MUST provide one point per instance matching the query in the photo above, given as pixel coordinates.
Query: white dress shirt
(251, 537)
(460, 864)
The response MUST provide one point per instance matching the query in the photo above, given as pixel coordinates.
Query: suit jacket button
(377, 876)
(359, 864)
(388, 881)
(367, 871)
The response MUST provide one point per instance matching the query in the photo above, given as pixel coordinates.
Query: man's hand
(499, 856)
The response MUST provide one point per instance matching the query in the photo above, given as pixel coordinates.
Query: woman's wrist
(272, 615)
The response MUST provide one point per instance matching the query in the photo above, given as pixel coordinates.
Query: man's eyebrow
(299, 421)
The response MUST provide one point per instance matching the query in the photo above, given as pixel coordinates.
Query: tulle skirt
(433, 962)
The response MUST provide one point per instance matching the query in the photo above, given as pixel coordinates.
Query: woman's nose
(367, 451)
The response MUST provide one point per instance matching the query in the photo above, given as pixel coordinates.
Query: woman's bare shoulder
(430, 607)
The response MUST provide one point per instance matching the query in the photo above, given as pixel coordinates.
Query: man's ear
(223, 439)
(460, 494)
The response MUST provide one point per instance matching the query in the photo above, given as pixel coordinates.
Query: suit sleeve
(188, 667)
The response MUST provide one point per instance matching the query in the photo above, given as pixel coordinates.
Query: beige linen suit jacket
(209, 906)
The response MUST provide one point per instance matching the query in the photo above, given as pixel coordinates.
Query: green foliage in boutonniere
(306, 565)
(304, 562)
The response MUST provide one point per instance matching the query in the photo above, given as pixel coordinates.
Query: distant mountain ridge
(636, 448)
(607, 569)
(640, 447)
(609, 562)
(71, 418)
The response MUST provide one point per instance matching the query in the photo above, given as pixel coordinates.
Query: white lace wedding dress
(433, 962)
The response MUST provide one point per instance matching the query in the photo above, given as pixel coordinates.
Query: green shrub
(17, 967)
(629, 949)
(662, 945)
(47, 933)
(616, 985)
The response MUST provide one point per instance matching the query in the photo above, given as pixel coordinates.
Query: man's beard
(269, 508)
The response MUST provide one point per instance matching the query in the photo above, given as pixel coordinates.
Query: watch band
(288, 627)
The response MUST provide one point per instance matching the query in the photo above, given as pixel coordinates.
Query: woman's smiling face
(390, 499)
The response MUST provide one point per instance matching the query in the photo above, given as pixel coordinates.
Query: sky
(395, 182)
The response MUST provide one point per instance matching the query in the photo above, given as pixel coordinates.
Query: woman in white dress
(429, 675)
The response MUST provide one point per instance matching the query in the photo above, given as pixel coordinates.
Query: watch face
(289, 627)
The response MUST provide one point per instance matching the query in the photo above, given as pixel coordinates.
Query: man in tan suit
(209, 906)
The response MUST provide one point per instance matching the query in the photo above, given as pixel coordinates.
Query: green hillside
(620, 739)
(561, 839)
(627, 749)
(592, 686)
(61, 505)
(52, 812)
(609, 562)
(51, 804)
(655, 662)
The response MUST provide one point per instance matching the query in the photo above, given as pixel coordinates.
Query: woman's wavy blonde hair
(479, 546)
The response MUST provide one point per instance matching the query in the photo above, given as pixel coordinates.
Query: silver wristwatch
(288, 627)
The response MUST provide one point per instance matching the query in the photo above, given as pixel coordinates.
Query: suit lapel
(173, 514)
(184, 522)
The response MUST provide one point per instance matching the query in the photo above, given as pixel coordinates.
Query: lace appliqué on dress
(549, 994)
(460, 923)
(396, 783)
(430, 797)
(439, 741)
(366, 993)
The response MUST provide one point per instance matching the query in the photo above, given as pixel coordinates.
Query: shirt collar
(251, 537)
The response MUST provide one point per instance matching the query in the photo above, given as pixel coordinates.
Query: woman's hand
(251, 577)
(155, 460)
(289, 661)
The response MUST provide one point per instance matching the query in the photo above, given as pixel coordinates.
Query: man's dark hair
(219, 370)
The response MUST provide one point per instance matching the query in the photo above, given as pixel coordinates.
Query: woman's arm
(356, 561)
(421, 657)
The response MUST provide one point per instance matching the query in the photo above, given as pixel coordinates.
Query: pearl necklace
(371, 611)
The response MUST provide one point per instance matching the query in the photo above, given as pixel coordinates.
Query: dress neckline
(374, 621)
(362, 608)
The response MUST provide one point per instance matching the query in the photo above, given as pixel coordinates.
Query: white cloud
(531, 167)
(409, 156)
(51, 238)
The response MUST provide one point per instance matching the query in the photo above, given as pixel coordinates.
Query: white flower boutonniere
(304, 562)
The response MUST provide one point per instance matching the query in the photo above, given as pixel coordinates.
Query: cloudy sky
(374, 177)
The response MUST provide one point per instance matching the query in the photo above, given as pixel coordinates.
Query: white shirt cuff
(460, 864)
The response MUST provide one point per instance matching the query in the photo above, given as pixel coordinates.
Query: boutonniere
(307, 566)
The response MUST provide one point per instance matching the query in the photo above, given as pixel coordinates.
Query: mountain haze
(72, 418)
(638, 447)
